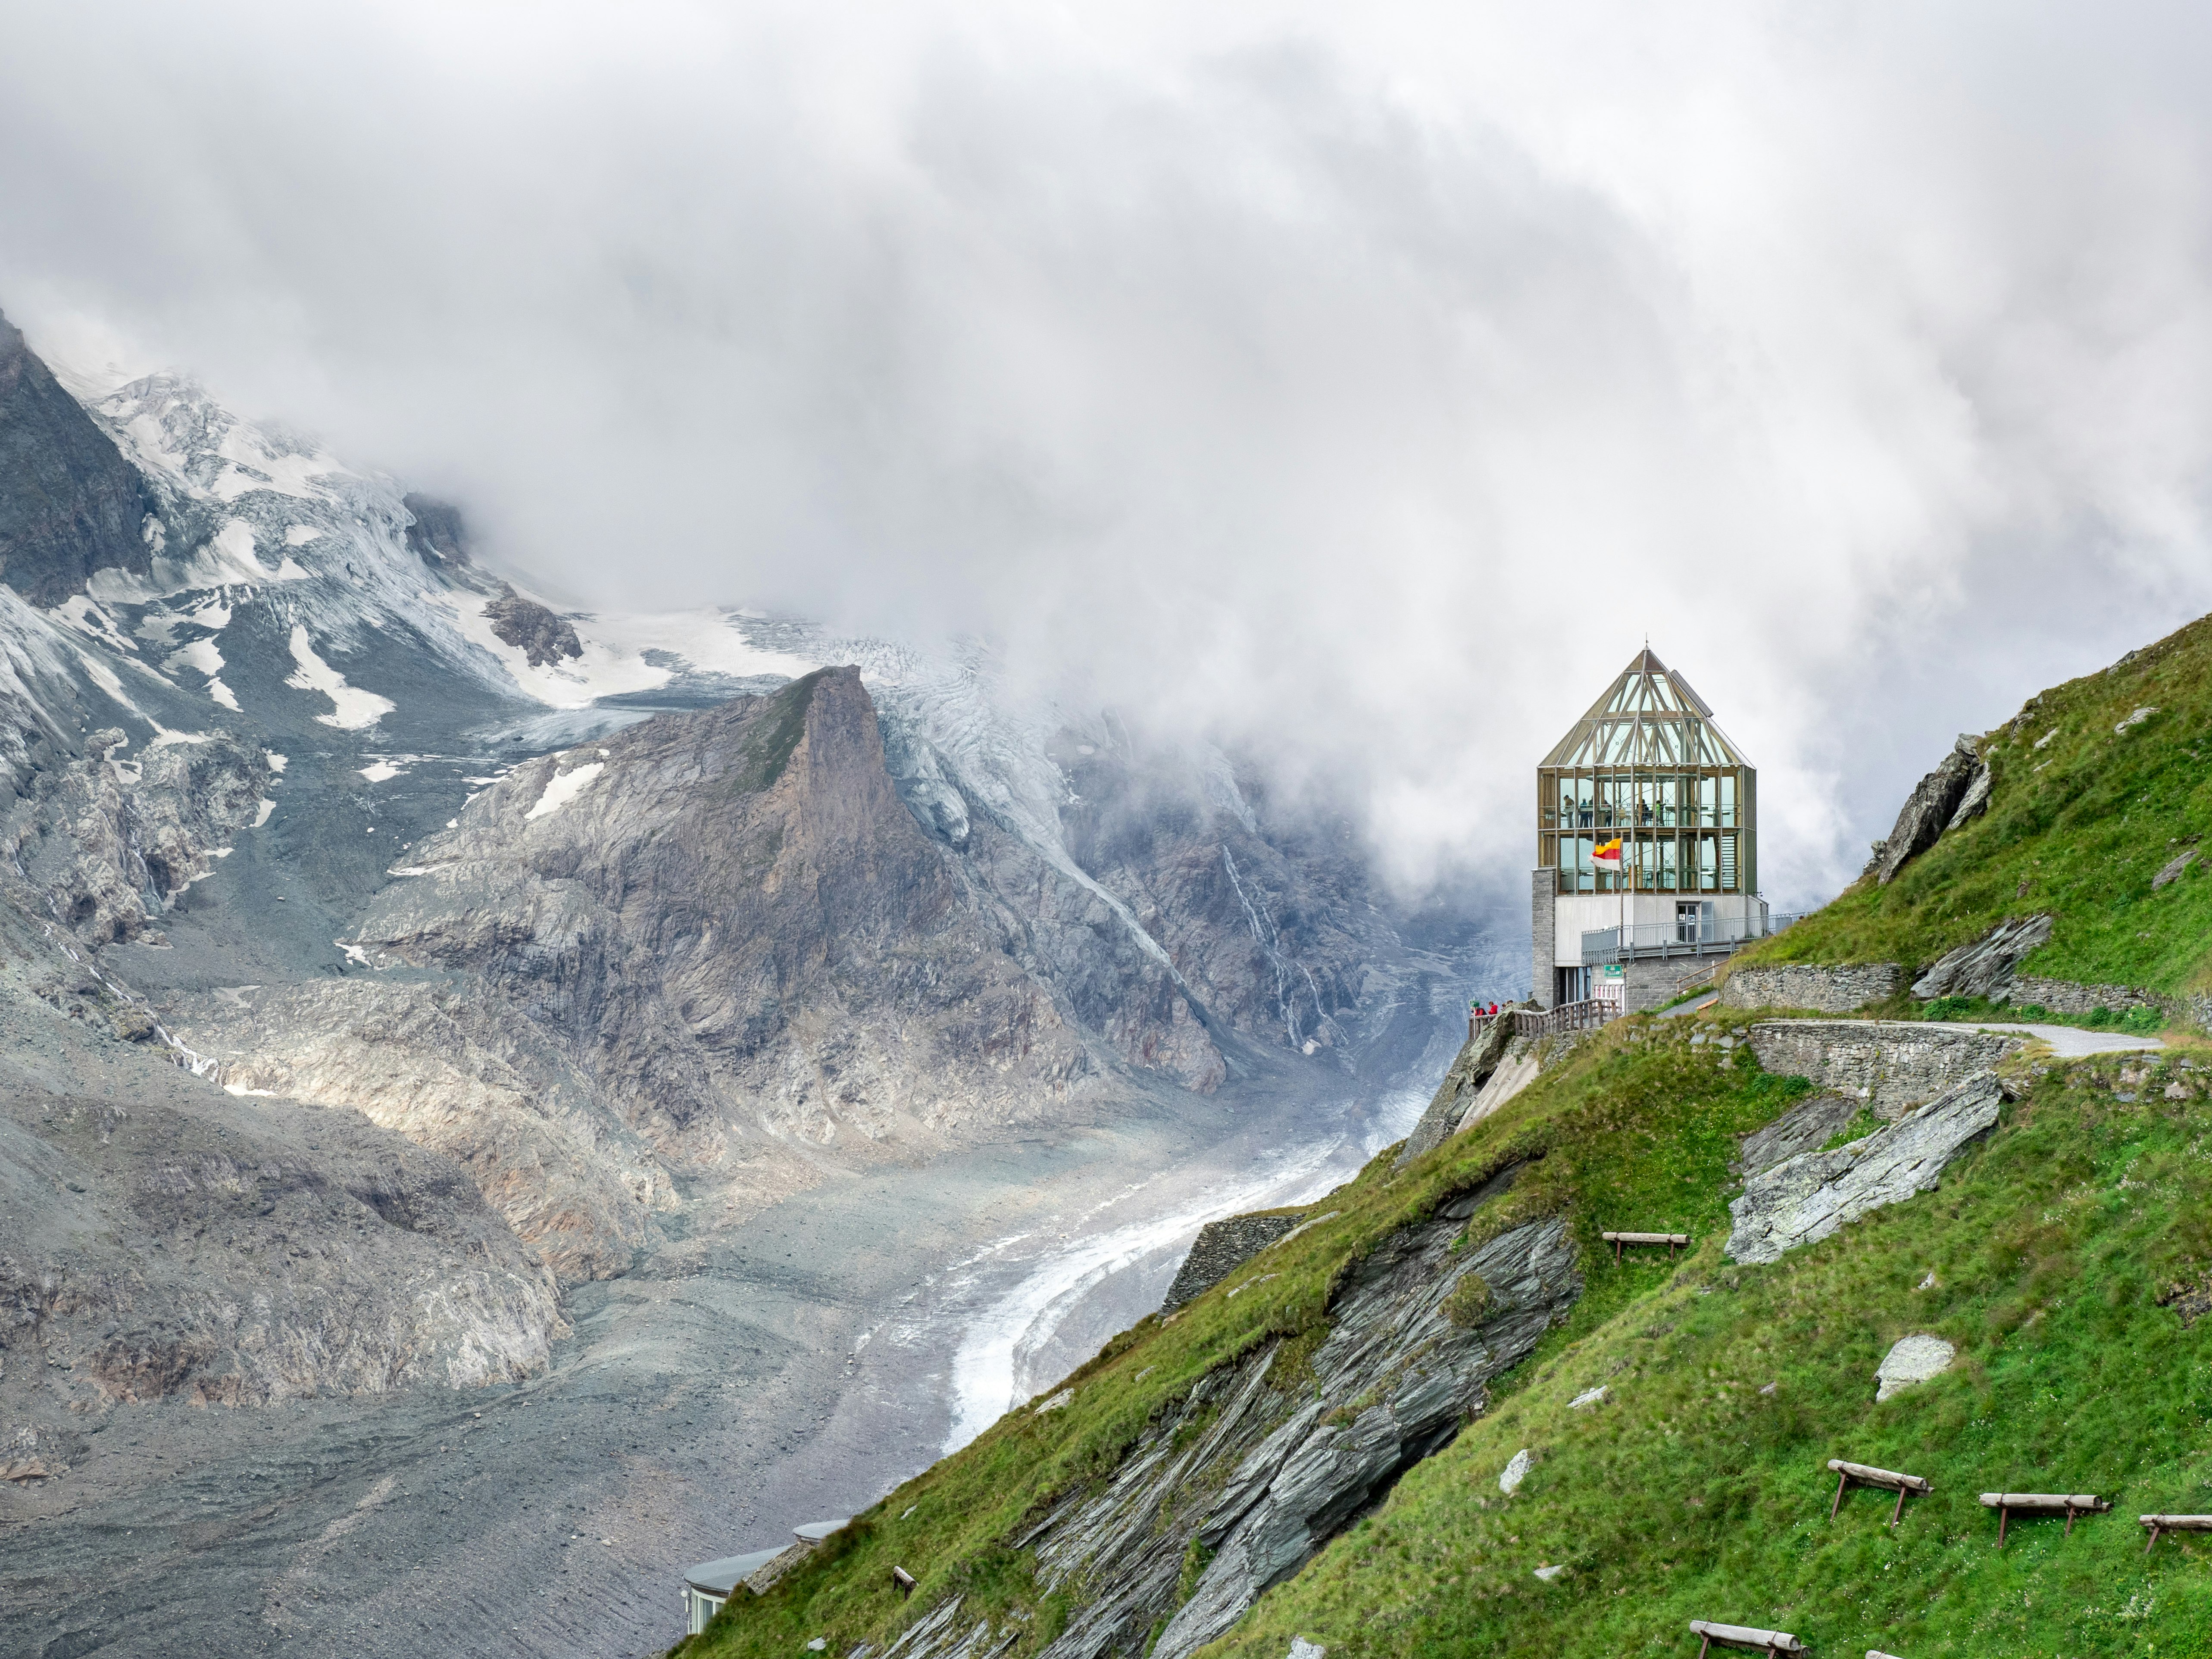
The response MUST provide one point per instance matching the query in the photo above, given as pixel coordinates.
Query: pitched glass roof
(1649, 718)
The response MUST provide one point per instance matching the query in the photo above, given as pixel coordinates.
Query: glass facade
(1646, 766)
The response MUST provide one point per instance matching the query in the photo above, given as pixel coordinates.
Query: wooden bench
(1670, 1240)
(903, 1581)
(1904, 1486)
(2159, 1524)
(1742, 1635)
(2043, 1503)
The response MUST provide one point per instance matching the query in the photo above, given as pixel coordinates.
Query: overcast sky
(1361, 383)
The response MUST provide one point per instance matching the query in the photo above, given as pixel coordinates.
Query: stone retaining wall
(1803, 985)
(1220, 1249)
(2063, 996)
(1892, 1065)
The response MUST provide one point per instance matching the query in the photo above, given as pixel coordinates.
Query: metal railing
(1683, 937)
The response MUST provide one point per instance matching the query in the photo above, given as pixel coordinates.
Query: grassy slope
(1699, 1488)
(1694, 1493)
(1629, 1136)
(2078, 828)
(1690, 1492)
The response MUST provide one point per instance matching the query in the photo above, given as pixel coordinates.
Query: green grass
(1694, 1492)
(2077, 827)
(1634, 1131)
(774, 735)
(1699, 1488)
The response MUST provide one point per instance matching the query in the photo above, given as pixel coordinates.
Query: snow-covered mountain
(246, 748)
(398, 975)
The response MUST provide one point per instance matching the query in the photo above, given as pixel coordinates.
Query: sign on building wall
(1612, 982)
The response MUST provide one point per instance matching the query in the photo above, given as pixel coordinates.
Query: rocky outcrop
(1478, 1058)
(1261, 1470)
(436, 530)
(531, 628)
(709, 947)
(103, 843)
(70, 503)
(1804, 1199)
(1524, 1060)
(1838, 990)
(1987, 966)
(1805, 1128)
(1933, 805)
(1891, 1065)
(160, 1239)
(471, 1079)
(1223, 1246)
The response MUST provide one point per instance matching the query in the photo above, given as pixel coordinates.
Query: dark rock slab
(70, 503)
(1806, 1198)
(1478, 1058)
(1807, 1127)
(531, 628)
(1928, 810)
(1988, 966)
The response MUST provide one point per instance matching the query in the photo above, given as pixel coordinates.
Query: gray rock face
(1806, 1198)
(1892, 1065)
(160, 1239)
(1928, 810)
(531, 628)
(1806, 1129)
(1839, 990)
(1220, 1249)
(1912, 1359)
(103, 844)
(437, 531)
(1271, 1476)
(1988, 966)
(1514, 1472)
(1477, 1059)
(1975, 801)
(70, 503)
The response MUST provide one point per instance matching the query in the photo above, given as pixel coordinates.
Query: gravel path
(2067, 1042)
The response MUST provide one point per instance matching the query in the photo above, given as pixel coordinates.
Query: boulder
(2172, 872)
(1928, 811)
(1516, 1471)
(1914, 1359)
(1806, 1198)
(1987, 966)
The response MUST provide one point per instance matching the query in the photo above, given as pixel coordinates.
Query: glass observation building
(1646, 767)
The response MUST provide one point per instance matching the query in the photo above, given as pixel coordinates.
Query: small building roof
(813, 1532)
(1649, 717)
(722, 1576)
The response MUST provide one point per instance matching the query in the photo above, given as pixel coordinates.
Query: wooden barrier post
(2159, 1524)
(2043, 1502)
(1867, 1475)
(1672, 1240)
(1774, 1644)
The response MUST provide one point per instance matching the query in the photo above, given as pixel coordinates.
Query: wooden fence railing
(1585, 1016)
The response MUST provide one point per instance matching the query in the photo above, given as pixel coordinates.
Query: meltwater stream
(1034, 1306)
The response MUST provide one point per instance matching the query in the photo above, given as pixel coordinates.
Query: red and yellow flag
(1608, 851)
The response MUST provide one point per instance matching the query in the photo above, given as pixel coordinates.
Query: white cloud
(1365, 382)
